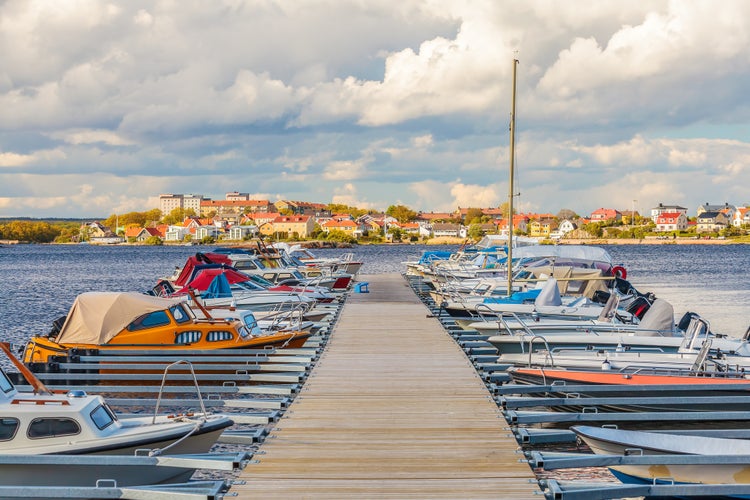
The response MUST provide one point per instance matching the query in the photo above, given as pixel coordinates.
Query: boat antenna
(36, 384)
(510, 184)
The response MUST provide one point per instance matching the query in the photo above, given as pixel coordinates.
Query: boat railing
(607, 349)
(292, 317)
(486, 313)
(700, 358)
(698, 329)
(164, 380)
(721, 370)
(502, 318)
(548, 353)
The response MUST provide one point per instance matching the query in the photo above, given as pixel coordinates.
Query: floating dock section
(392, 409)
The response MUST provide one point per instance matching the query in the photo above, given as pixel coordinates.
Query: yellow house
(289, 225)
(346, 225)
(542, 228)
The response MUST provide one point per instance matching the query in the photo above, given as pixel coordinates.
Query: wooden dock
(393, 409)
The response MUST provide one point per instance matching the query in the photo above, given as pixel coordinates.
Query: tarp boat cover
(96, 317)
(578, 252)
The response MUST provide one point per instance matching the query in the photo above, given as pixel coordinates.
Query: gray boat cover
(96, 317)
(658, 320)
(550, 294)
(578, 252)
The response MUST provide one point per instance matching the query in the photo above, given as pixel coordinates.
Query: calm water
(41, 281)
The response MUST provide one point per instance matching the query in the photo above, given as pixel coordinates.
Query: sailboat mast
(510, 183)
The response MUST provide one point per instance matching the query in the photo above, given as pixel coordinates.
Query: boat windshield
(102, 417)
(246, 286)
(260, 280)
(179, 314)
(151, 320)
(5, 384)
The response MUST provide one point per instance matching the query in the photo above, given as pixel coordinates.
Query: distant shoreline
(458, 241)
(612, 241)
(649, 241)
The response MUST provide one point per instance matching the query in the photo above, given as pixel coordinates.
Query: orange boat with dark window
(131, 320)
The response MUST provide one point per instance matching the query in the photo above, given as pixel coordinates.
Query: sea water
(40, 282)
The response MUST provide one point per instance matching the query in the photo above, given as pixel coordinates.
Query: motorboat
(280, 271)
(252, 264)
(579, 272)
(699, 349)
(579, 390)
(227, 286)
(657, 329)
(550, 376)
(136, 321)
(303, 257)
(543, 302)
(43, 422)
(612, 441)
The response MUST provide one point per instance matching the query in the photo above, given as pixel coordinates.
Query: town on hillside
(191, 218)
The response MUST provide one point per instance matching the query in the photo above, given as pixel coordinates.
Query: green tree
(34, 232)
(594, 229)
(401, 213)
(340, 208)
(178, 215)
(341, 236)
(475, 232)
(504, 209)
(396, 233)
(474, 216)
(153, 240)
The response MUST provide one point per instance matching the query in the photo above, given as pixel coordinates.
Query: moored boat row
(635, 367)
(127, 343)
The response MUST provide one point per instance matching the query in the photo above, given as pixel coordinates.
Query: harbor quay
(393, 408)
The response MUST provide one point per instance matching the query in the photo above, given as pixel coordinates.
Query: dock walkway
(393, 409)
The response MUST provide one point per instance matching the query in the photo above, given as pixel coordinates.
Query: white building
(240, 232)
(657, 211)
(671, 221)
(168, 202)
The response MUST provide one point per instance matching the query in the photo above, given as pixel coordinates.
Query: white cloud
(14, 159)
(347, 195)
(474, 195)
(422, 141)
(83, 136)
(345, 170)
(401, 97)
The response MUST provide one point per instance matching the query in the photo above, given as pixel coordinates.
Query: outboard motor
(638, 307)
(600, 297)
(57, 326)
(685, 320)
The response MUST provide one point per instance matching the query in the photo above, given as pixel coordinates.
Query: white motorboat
(544, 302)
(656, 329)
(611, 441)
(75, 423)
(328, 265)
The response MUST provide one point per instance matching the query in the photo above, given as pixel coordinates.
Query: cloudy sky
(105, 105)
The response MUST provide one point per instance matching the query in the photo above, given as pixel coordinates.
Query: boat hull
(72, 474)
(618, 442)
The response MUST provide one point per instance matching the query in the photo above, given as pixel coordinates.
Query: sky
(105, 105)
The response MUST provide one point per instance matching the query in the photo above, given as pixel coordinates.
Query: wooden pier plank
(393, 409)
